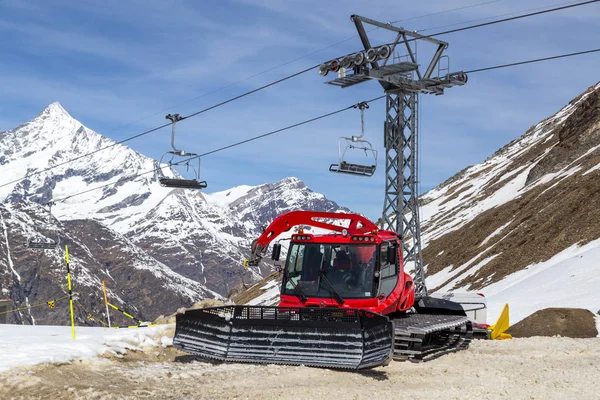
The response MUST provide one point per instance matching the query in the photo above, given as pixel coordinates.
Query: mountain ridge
(533, 199)
(164, 235)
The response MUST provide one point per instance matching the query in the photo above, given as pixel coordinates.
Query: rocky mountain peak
(52, 129)
(51, 139)
(292, 181)
(55, 110)
(55, 120)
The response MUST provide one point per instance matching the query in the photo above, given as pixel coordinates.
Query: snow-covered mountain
(158, 248)
(523, 226)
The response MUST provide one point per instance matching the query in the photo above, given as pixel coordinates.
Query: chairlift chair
(358, 143)
(43, 244)
(178, 182)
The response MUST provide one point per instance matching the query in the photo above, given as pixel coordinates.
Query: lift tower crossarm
(391, 27)
(403, 33)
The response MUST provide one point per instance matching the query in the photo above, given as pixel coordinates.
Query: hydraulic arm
(285, 222)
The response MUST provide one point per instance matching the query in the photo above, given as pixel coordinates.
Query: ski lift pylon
(355, 142)
(177, 182)
(43, 244)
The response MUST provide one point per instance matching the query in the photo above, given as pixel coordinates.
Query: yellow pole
(70, 292)
(106, 303)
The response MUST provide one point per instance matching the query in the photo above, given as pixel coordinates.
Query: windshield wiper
(336, 295)
(298, 291)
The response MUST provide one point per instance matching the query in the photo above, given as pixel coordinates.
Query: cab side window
(387, 269)
(296, 259)
(388, 272)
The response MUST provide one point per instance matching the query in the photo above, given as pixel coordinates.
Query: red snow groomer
(346, 302)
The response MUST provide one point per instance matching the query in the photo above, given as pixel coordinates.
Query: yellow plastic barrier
(125, 313)
(49, 304)
(501, 326)
(90, 316)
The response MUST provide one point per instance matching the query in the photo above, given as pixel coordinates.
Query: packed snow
(29, 345)
(532, 368)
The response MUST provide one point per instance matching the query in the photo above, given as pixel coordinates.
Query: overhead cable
(497, 16)
(281, 80)
(305, 56)
(220, 149)
(312, 120)
(531, 61)
(498, 21)
(154, 129)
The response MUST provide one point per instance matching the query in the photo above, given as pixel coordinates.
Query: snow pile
(30, 345)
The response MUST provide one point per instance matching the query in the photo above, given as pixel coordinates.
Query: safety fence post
(70, 292)
(106, 303)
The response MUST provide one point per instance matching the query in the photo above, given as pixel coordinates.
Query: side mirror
(392, 254)
(276, 252)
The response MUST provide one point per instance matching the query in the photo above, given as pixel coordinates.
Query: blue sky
(120, 66)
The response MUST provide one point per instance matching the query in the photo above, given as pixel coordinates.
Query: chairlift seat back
(353, 169)
(183, 183)
(41, 244)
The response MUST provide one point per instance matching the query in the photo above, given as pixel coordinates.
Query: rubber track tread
(424, 337)
(330, 338)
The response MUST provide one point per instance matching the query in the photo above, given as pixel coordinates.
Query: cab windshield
(349, 269)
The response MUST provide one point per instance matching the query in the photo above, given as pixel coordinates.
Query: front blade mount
(321, 337)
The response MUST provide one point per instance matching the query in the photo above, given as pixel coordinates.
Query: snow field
(569, 279)
(23, 345)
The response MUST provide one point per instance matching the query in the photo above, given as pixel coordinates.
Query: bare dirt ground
(531, 368)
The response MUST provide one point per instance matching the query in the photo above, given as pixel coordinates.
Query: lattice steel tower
(402, 80)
